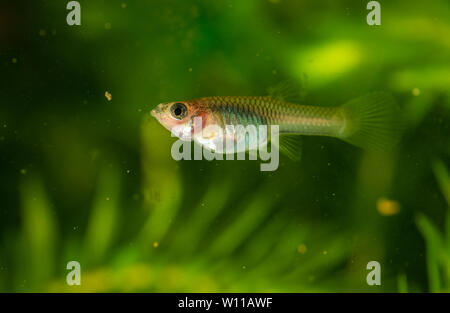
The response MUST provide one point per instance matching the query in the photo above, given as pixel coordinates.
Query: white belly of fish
(231, 140)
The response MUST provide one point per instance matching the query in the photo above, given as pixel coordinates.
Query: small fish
(370, 121)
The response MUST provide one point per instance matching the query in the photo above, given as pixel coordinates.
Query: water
(87, 173)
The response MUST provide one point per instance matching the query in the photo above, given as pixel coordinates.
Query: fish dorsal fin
(291, 146)
(288, 91)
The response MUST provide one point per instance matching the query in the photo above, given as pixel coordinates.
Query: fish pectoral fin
(291, 146)
(288, 91)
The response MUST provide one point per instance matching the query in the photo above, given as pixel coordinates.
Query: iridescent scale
(291, 118)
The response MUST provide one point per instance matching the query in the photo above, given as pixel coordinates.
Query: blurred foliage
(92, 180)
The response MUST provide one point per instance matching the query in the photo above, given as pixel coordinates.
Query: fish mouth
(157, 112)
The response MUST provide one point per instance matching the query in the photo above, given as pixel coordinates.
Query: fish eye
(178, 110)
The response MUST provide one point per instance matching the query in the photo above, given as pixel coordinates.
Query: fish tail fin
(372, 122)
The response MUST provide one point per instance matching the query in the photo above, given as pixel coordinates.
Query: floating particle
(325, 252)
(124, 5)
(23, 171)
(107, 198)
(42, 32)
(108, 26)
(415, 92)
(108, 95)
(301, 248)
(155, 244)
(190, 69)
(387, 207)
(14, 60)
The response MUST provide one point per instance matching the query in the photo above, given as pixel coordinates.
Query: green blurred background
(92, 180)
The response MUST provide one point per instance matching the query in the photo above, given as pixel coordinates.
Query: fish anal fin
(291, 146)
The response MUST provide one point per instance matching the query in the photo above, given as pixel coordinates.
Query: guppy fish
(370, 121)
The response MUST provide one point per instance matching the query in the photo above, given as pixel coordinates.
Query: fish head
(179, 117)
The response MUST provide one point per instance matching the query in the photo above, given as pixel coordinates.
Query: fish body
(368, 121)
(290, 117)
